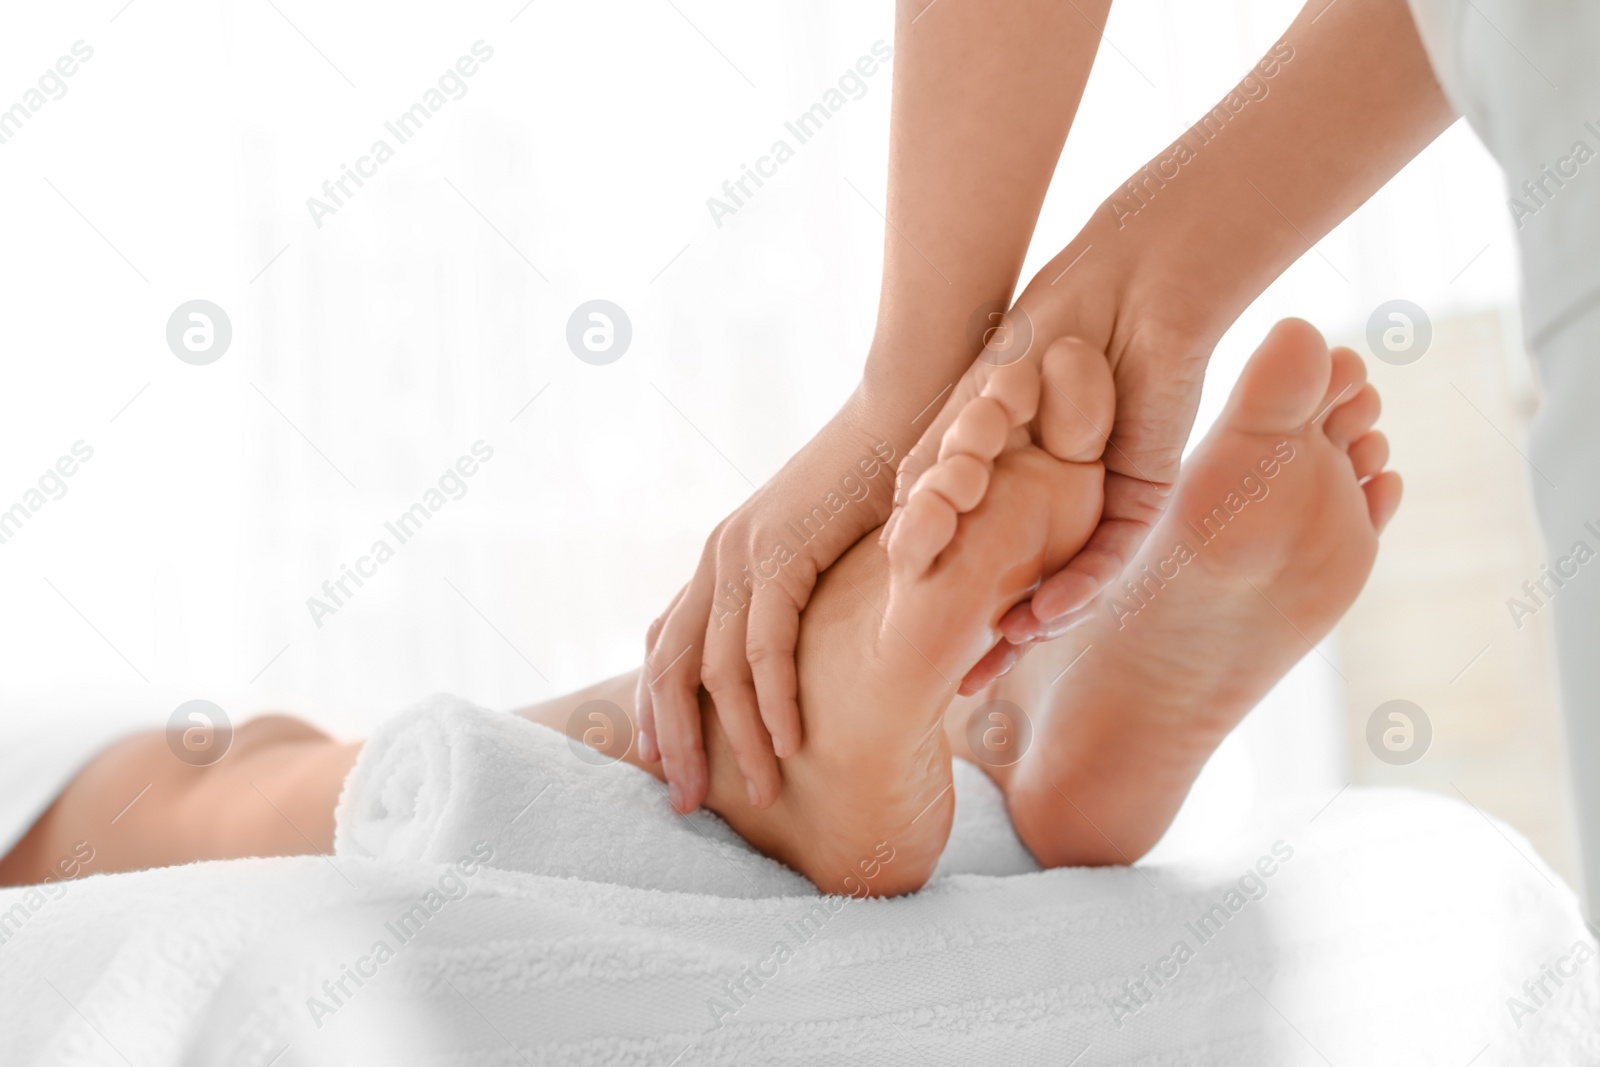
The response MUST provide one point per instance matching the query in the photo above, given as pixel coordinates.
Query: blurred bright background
(429, 313)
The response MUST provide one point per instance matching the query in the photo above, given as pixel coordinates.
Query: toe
(1383, 498)
(927, 524)
(1368, 455)
(1016, 387)
(959, 477)
(1353, 418)
(980, 430)
(961, 480)
(1349, 375)
(1076, 401)
(1280, 388)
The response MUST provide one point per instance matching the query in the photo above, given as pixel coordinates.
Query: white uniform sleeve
(1438, 22)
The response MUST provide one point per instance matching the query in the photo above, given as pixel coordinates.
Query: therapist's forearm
(1354, 103)
(984, 94)
(1172, 258)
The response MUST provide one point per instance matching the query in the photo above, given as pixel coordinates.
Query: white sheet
(1393, 933)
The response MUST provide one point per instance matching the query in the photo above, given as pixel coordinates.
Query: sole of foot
(891, 629)
(1270, 536)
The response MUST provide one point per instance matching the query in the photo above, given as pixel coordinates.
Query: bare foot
(1270, 536)
(866, 802)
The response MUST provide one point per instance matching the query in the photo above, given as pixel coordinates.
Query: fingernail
(1058, 626)
(1061, 608)
(1019, 631)
(675, 796)
(750, 791)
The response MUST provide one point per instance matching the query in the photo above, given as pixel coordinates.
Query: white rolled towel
(446, 781)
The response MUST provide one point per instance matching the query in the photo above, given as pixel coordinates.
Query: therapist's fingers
(673, 678)
(1067, 599)
(995, 664)
(643, 708)
(770, 647)
(727, 676)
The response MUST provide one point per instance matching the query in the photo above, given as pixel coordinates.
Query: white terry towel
(1396, 934)
(1393, 928)
(435, 781)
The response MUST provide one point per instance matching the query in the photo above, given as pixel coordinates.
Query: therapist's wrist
(866, 426)
(906, 380)
(1167, 288)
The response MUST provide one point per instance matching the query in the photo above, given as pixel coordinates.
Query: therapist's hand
(1166, 264)
(1158, 362)
(733, 628)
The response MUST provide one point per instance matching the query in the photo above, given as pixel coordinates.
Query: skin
(1356, 103)
(886, 635)
(1154, 292)
(135, 805)
(1157, 290)
(984, 94)
(1126, 709)
(868, 801)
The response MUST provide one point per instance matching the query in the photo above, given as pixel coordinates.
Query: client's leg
(885, 640)
(1271, 534)
(137, 805)
(889, 633)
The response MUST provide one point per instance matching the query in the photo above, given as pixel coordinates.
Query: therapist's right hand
(734, 627)
(1157, 338)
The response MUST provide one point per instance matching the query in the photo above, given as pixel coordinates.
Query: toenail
(751, 792)
(675, 796)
